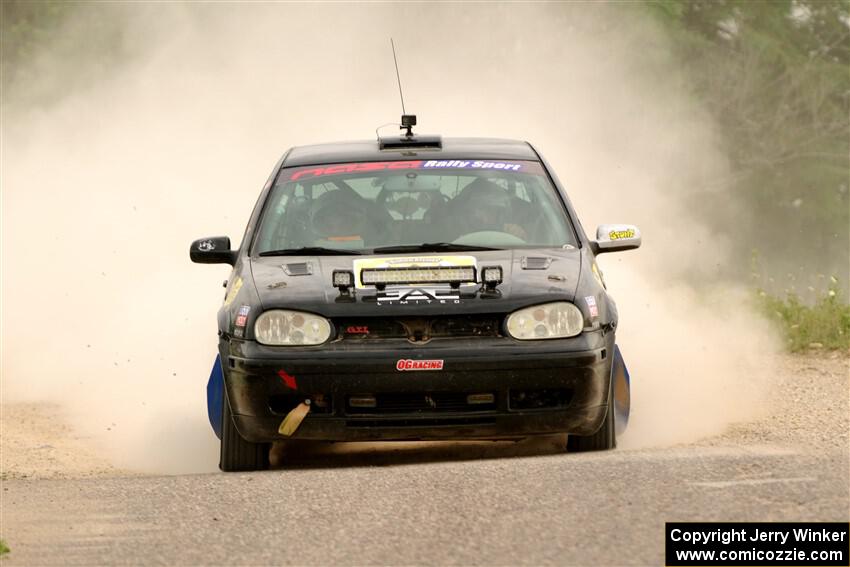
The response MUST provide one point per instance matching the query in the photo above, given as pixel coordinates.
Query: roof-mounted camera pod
(408, 121)
(415, 142)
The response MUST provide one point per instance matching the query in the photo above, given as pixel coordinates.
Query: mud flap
(215, 396)
(622, 391)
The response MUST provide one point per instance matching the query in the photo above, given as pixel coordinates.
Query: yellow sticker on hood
(598, 275)
(407, 262)
(233, 291)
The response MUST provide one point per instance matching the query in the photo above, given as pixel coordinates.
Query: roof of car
(369, 150)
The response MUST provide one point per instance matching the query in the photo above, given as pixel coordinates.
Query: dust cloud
(104, 188)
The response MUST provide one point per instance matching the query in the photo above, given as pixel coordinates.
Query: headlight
(549, 321)
(291, 328)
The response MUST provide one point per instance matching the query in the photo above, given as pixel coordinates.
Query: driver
(486, 206)
(340, 220)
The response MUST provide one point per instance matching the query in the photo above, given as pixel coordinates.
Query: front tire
(604, 439)
(236, 453)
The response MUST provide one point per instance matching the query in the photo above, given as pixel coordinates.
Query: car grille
(552, 398)
(397, 423)
(421, 403)
(419, 329)
(282, 404)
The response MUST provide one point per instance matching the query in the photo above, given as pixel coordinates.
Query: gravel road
(475, 503)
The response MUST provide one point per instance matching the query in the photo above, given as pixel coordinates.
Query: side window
(271, 229)
(513, 187)
(320, 189)
(522, 192)
(365, 187)
(500, 181)
(452, 185)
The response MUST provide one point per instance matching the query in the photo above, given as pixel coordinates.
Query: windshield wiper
(311, 251)
(432, 247)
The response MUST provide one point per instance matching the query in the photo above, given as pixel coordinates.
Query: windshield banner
(300, 173)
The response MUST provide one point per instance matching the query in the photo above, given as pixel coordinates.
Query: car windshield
(384, 205)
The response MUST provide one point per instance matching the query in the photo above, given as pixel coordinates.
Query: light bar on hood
(417, 275)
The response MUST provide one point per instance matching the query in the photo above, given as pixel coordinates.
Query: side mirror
(212, 250)
(615, 238)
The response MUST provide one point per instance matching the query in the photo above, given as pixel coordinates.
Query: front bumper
(578, 369)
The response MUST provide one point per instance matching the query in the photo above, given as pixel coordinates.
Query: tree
(775, 77)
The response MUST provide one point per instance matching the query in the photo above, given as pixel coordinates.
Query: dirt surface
(524, 503)
(37, 441)
(809, 406)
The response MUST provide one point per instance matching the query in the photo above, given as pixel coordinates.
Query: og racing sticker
(406, 364)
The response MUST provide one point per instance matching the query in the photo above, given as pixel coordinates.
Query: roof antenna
(408, 121)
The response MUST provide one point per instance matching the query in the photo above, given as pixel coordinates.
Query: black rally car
(415, 288)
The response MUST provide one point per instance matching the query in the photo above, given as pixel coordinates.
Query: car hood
(530, 276)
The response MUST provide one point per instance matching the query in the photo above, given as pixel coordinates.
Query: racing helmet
(487, 205)
(339, 216)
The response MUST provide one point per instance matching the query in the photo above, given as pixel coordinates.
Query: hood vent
(535, 262)
(298, 269)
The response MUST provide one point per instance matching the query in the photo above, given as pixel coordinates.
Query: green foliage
(774, 75)
(826, 324)
(4, 549)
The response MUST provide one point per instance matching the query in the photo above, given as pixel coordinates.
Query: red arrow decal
(287, 379)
